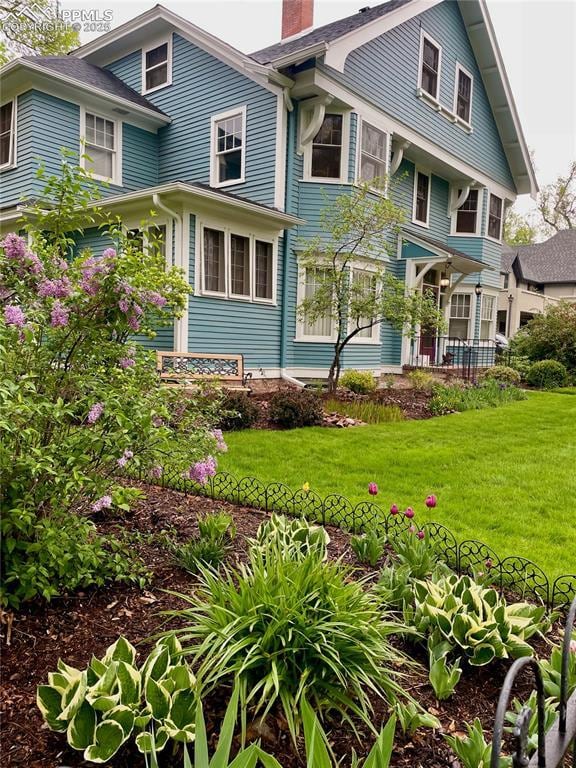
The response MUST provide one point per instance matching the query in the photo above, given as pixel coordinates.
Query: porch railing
(451, 353)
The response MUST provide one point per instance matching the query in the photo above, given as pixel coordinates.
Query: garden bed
(83, 624)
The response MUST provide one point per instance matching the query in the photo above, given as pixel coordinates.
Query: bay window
(364, 285)
(487, 314)
(373, 150)
(239, 266)
(322, 327)
(263, 270)
(495, 217)
(468, 214)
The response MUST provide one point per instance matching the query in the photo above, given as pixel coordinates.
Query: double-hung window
(430, 56)
(101, 147)
(228, 148)
(460, 312)
(236, 266)
(467, 214)
(314, 279)
(463, 95)
(421, 211)
(373, 149)
(364, 285)
(487, 314)
(7, 134)
(326, 161)
(157, 66)
(495, 217)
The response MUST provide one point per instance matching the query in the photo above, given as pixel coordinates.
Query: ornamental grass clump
(303, 628)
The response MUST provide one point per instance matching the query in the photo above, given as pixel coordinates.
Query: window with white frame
(421, 210)
(364, 283)
(154, 237)
(430, 55)
(495, 217)
(157, 66)
(236, 266)
(467, 214)
(373, 151)
(228, 148)
(463, 95)
(460, 313)
(487, 316)
(313, 278)
(7, 133)
(326, 159)
(101, 147)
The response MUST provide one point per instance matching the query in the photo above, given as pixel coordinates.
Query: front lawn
(505, 476)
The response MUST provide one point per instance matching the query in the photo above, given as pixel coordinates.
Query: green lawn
(506, 476)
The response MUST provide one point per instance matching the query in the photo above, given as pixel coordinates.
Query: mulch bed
(86, 623)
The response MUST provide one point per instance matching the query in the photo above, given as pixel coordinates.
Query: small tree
(557, 202)
(360, 228)
(518, 230)
(28, 28)
(550, 336)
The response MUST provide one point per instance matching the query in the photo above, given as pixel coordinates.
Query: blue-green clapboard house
(237, 153)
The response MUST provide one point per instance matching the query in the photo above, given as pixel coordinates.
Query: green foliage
(503, 374)
(552, 670)
(394, 585)
(291, 408)
(550, 715)
(198, 553)
(290, 538)
(361, 382)
(34, 28)
(519, 363)
(547, 374)
(443, 675)
(557, 202)
(365, 410)
(369, 546)
(238, 411)
(421, 381)
(113, 701)
(412, 717)
(518, 230)
(389, 380)
(302, 628)
(216, 525)
(419, 554)
(487, 394)
(550, 336)
(473, 750)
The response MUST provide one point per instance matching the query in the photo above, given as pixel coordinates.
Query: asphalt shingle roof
(328, 32)
(553, 261)
(91, 75)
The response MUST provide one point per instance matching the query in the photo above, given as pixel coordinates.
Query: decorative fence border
(517, 574)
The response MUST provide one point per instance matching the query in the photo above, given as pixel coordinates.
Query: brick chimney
(297, 16)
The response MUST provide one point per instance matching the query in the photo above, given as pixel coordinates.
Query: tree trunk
(335, 368)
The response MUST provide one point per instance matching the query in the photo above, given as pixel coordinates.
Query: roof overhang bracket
(318, 114)
(423, 272)
(398, 148)
(456, 201)
(452, 288)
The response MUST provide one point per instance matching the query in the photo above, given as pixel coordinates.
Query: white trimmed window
(102, 147)
(157, 236)
(430, 60)
(468, 215)
(228, 148)
(463, 95)
(8, 134)
(326, 161)
(460, 313)
(157, 66)
(373, 153)
(487, 317)
(421, 208)
(236, 266)
(322, 328)
(364, 281)
(495, 217)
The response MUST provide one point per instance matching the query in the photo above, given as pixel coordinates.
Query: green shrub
(520, 363)
(473, 751)
(547, 374)
(550, 336)
(360, 382)
(488, 394)
(368, 547)
(365, 410)
(290, 538)
(291, 408)
(304, 628)
(198, 553)
(421, 381)
(239, 411)
(216, 525)
(503, 374)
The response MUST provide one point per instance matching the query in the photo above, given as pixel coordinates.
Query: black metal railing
(463, 357)
(516, 574)
(554, 745)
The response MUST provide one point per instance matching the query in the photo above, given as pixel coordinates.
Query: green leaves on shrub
(369, 546)
(292, 408)
(421, 381)
(547, 374)
(239, 411)
(360, 382)
(290, 538)
(503, 374)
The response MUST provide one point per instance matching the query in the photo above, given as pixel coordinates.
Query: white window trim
(416, 221)
(374, 339)
(358, 178)
(479, 213)
(458, 119)
(300, 293)
(486, 234)
(241, 110)
(468, 291)
(344, 150)
(132, 224)
(493, 319)
(151, 47)
(12, 159)
(252, 236)
(116, 178)
(435, 98)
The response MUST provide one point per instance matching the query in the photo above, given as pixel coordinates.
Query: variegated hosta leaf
(59, 681)
(144, 741)
(49, 702)
(73, 697)
(108, 738)
(124, 716)
(129, 684)
(106, 685)
(104, 703)
(82, 726)
(121, 650)
(157, 699)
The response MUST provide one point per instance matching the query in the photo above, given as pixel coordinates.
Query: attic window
(157, 66)
(463, 96)
(7, 131)
(430, 55)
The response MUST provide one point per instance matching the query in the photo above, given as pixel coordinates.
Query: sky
(536, 38)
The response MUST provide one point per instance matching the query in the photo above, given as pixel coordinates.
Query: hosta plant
(443, 675)
(368, 547)
(473, 751)
(290, 538)
(216, 525)
(552, 670)
(550, 715)
(113, 700)
(411, 717)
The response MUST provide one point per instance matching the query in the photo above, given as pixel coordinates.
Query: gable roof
(91, 75)
(553, 261)
(326, 33)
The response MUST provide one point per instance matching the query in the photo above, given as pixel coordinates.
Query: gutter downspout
(288, 238)
(180, 260)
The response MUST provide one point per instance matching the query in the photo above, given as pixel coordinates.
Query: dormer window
(430, 56)
(7, 133)
(463, 96)
(157, 66)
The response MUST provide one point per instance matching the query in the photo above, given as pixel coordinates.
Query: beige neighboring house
(534, 276)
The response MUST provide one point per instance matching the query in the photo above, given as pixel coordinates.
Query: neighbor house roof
(89, 74)
(553, 261)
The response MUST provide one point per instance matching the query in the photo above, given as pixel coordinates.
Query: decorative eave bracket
(318, 114)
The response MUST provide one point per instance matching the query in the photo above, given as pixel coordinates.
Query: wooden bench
(182, 367)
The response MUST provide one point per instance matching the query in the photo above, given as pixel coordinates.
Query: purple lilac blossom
(59, 316)
(109, 253)
(104, 502)
(57, 289)
(14, 246)
(133, 323)
(156, 299)
(202, 470)
(95, 412)
(156, 472)
(127, 362)
(13, 315)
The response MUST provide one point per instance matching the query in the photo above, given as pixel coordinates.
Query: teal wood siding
(139, 158)
(19, 181)
(203, 86)
(402, 193)
(234, 327)
(94, 240)
(385, 70)
(353, 148)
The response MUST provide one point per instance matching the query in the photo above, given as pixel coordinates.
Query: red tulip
(431, 501)
(420, 535)
(409, 513)
(394, 509)
(372, 489)
(412, 529)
